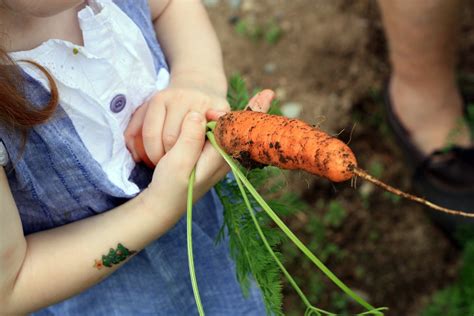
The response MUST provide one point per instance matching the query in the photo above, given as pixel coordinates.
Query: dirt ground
(331, 61)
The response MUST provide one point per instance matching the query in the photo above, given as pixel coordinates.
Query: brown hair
(15, 110)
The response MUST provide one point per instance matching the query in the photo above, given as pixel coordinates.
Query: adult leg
(422, 38)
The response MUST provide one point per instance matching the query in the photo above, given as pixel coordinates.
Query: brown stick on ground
(364, 175)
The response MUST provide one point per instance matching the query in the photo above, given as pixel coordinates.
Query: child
(75, 204)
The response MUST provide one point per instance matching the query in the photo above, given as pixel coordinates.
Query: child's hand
(171, 176)
(168, 188)
(155, 126)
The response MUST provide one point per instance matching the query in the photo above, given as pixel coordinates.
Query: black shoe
(445, 177)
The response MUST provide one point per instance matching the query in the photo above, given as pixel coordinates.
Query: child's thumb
(262, 101)
(188, 147)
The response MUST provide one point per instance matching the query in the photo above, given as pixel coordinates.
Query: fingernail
(196, 116)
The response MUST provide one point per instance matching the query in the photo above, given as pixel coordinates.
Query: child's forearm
(50, 266)
(190, 45)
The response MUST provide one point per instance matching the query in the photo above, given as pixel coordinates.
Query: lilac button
(118, 103)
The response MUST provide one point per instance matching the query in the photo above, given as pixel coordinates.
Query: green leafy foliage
(270, 32)
(273, 32)
(457, 299)
(340, 302)
(375, 118)
(253, 262)
(249, 29)
(238, 95)
(392, 197)
(335, 214)
(317, 228)
(376, 168)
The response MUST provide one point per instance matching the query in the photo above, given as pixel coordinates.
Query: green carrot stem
(311, 312)
(211, 125)
(270, 250)
(287, 231)
(189, 217)
(375, 311)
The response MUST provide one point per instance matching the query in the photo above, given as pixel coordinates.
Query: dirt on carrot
(284, 143)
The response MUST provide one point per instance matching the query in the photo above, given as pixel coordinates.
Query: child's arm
(190, 45)
(47, 267)
(198, 80)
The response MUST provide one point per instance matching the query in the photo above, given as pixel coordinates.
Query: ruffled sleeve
(3, 155)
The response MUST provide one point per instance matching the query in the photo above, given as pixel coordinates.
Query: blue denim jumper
(56, 181)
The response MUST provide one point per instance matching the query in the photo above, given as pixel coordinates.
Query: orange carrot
(285, 143)
(256, 138)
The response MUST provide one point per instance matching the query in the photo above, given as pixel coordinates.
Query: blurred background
(327, 62)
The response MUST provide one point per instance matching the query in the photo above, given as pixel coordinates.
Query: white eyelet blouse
(101, 83)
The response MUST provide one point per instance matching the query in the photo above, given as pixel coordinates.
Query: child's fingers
(172, 125)
(211, 167)
(187, 149)
(133, 132)
(218, 109)
(141, 152)
(176, 110)
(152, 130)
(213, 115)
(262, 101)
